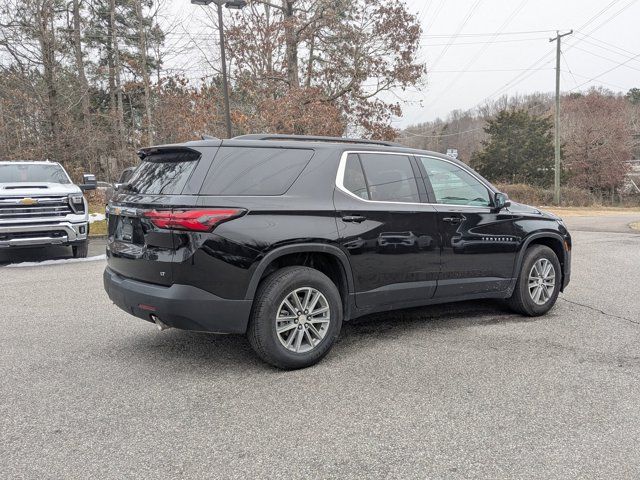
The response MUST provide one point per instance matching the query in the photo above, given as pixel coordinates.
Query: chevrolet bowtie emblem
(28, 201)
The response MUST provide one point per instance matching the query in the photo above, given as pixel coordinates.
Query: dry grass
(635, 225)
(98, 228)
(591, 211)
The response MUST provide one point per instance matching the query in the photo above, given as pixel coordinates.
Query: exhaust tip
(161, 326)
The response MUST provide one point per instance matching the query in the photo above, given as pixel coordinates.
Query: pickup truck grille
(44, 207)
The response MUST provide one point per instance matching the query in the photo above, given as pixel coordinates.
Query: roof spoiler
(145, 152)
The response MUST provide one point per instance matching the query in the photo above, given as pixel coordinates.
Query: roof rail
(311, 138)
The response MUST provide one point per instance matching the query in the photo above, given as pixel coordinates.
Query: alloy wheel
(303, 319)
(542, 281)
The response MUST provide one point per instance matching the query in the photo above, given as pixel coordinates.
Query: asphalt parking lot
(455, 391)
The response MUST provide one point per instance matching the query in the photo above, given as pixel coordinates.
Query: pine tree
(519, 149)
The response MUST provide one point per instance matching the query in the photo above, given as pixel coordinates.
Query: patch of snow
(96, 217)
(56, 262)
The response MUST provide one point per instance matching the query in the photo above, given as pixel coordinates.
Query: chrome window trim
(342, 167)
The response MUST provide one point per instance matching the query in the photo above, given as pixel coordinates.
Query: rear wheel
(81, 250)
(539, 282)
(296, 318)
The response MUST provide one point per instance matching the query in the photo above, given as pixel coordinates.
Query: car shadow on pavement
(42, 253)
(39, 254)
(180, 349)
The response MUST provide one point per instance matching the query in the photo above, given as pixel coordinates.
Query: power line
(455, 35)
(488, 34)
(608, 84)
(606, 58)
(616, 50)
(487, 70)
(436, 12)
(414, 135)
(608, 19)
(597, 15)
(605, 72)
(524, 76)
(424, 11)
(604, 43)
(475, 58)
(487, 42)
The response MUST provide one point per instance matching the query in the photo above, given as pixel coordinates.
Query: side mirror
(88, 182)
(501, 200)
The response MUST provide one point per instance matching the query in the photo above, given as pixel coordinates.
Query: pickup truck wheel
(538, 284)
(296, 318)
(81, 250)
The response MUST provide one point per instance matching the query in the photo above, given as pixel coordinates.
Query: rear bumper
(179, 306)
(49, 233)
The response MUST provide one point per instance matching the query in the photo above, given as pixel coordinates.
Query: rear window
(254, 171)
(163, 173)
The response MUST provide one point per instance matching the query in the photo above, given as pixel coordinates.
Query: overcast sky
(479, 49)
(456, 82)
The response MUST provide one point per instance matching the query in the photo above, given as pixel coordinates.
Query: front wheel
(296, 318)
(538, 284)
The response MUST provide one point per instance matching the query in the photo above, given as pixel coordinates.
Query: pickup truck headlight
(76, 201)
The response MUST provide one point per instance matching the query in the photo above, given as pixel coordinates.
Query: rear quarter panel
(223, 262)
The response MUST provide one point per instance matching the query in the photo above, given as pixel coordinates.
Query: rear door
(166, 181)
(478, 243)
(390, 235)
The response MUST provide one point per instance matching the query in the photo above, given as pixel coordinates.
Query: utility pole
(225, 86)
(556, 183)
(236, 5)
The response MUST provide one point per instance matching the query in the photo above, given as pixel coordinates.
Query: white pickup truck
(40, 205)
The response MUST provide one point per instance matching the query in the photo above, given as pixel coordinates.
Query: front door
(387, 230)
(478, 243)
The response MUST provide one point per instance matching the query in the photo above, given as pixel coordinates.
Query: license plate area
(127, 229)
(124, 229)
(125, 232)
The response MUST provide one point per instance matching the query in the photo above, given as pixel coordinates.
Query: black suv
(285, 237)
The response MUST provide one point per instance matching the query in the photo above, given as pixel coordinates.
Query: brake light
(194, 220)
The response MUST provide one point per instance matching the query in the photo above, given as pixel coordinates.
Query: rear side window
(254, 171)
(390, 178)
(354, 180)
(163, 173)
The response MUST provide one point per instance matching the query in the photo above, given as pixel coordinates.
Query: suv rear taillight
(201, 220)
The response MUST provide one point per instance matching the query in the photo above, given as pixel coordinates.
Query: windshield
(33, 172)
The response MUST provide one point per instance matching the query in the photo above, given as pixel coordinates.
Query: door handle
(453, 220)
(354, 218)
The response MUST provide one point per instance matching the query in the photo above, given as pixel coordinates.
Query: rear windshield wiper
(130, 188)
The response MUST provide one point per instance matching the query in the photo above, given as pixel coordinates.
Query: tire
(269, 303)
(81, 250)
(523, 300)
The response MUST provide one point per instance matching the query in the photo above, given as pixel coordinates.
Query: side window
(453, 185)
(255, 171)
(354, 180)
(390, 178)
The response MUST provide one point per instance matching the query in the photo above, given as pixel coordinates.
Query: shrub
(570, 196)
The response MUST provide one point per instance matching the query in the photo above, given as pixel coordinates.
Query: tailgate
(165, 180)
